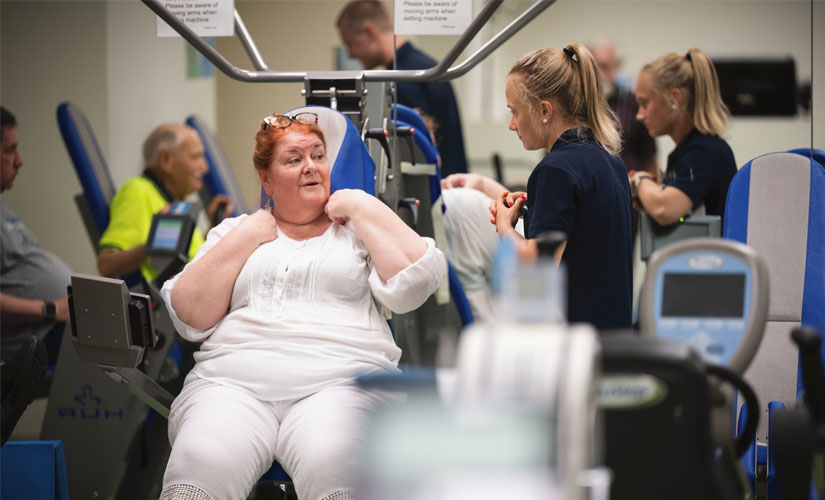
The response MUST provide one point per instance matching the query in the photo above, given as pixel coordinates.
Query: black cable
(743, 440)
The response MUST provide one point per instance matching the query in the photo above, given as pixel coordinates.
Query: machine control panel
(710, 293)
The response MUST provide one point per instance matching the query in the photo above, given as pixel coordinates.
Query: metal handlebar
(441, 71)
(249, 44)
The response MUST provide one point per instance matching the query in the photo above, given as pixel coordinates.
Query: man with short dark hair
(33, 281)
(366, 29)
(33, 301)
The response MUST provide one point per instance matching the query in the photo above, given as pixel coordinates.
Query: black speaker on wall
(758, 86)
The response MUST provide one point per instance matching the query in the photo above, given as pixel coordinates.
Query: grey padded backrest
(777, 228)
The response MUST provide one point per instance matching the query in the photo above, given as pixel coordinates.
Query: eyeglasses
(284, 121)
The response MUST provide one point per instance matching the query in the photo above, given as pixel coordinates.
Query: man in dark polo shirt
(366, 30)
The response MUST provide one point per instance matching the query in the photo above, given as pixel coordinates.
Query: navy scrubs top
(437, 100)
(582, 190)
(702, 167)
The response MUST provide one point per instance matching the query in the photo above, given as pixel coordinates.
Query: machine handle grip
(813, 375)
(219, 215)
(743, 440)
(380, 135)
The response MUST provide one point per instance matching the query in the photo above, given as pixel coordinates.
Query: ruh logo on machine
(89, 407)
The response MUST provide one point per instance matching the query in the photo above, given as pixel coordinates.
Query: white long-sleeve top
(303, 314)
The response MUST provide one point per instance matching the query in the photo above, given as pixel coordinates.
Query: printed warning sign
(432, 17)
(205, 18)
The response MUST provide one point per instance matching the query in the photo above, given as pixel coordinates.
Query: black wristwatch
(49, 311)
(634, 186)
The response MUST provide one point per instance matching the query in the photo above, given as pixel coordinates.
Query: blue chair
(776, 204)
(92, 172)
(408, 117)
(220, 179)
(35, 470)
(817, 155)
(91, 167)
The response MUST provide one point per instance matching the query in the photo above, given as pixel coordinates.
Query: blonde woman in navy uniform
(679, 96)
(579, 188)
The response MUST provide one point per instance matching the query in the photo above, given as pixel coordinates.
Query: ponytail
(597, 114)
(710, 115)
(694, 74)
(570, 77)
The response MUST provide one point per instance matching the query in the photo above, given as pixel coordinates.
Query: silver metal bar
(441, 71)
(215, 57)
(146, 389)
(495, 42)
(441, 68)
(249, 44)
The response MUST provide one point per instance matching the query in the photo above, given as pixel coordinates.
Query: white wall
(147, 84)
(51, 52)
(105, 58)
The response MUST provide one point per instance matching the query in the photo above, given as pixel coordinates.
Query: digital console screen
(167, 233)
(703, 295)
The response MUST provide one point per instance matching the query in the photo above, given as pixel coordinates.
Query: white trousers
(223, 439)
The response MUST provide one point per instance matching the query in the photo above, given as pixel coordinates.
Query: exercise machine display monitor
(169, 238)
(171, 232)
(710, 293)
(653, 236)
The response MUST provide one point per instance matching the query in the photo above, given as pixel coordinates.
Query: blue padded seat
(776, 205)
(817, 155)
(408, 117)
(34, 470)
(220, 179)
(92, 172)
(89, 163)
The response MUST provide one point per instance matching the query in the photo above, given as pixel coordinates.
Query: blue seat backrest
(92, 170)
(776, 205)
(775, 196)
(220, 179)
(408, 117)
(88, 160)
(351, 166)
(411, 117)
(817, 155)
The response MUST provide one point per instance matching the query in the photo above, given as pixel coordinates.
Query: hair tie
(569, 53)
(687, 56)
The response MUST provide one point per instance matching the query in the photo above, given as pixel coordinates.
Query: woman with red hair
(286, 304)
